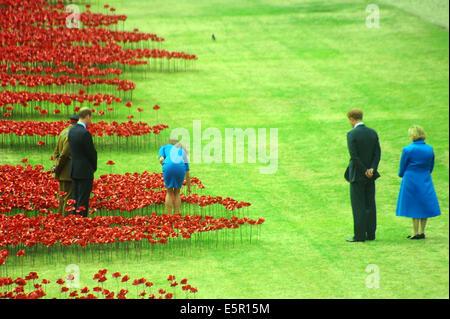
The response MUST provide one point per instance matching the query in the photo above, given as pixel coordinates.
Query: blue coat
(175, 165)
(417, 197)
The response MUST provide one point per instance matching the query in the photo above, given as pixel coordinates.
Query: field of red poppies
(52, 63)
(31, 286)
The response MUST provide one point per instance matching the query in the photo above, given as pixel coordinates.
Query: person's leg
(169, 200)
(62, 205)
(416, 226)
(69, 190)
(423, 224)
(357, 197)
(66, 187)
(177, 200)
(84, 195)
(75, 194)
(371, 211)
(89, 185)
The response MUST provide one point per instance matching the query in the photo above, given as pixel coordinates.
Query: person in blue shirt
(173, 158)
(417, 198)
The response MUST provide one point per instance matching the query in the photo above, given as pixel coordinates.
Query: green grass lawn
(297, 66)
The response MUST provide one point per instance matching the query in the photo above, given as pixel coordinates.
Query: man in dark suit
(362, 171)
(84, 161)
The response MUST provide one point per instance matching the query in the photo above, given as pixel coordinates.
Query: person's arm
(375, 159)
(64, 157)
(188, 176)
(351, 144)
(91, 152)
(403, 163)
(188, 182)
(432, 164)
(376, 155)
(161, 155)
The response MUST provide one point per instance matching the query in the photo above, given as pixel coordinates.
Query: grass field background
(297, 66)
(433, 11)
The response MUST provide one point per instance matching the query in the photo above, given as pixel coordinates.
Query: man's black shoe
(353, 240)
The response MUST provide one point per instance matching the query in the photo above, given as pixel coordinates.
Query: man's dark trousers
(81, 189)
(362, 195)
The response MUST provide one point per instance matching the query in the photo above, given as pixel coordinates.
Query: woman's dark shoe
(421, 236)
(417, 236)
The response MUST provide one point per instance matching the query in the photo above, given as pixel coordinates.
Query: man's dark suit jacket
(365, 153)
(84, 155)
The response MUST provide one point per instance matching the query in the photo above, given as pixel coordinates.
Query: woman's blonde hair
(178, 144)
(416, 133)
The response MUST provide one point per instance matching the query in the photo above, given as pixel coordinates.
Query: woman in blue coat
(417, 198)
(173, 158)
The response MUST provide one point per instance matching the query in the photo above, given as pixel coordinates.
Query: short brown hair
(417, 133)
(85, 111)
(356, 114)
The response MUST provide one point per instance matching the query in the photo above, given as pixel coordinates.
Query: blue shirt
(81, 123)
